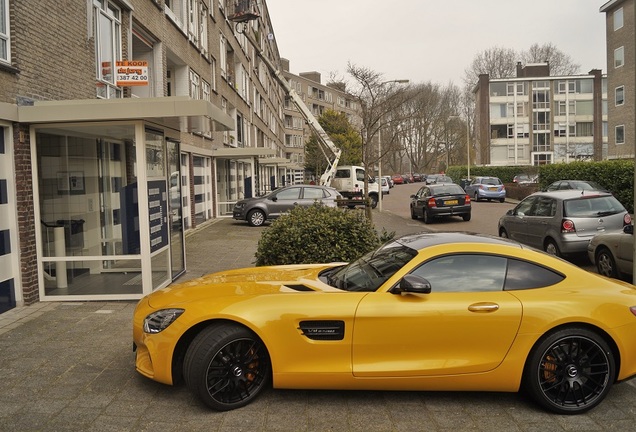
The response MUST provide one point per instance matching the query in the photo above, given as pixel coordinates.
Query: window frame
(619, 90)
(103, 9)
(619, 57)
(619, 138)
(619, 18)
(5, 33)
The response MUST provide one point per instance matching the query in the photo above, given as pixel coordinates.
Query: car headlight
(239, 206)
(160, 320)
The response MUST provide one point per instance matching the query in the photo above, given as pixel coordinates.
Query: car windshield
(590, 185)
(593, 207)
(372, 270)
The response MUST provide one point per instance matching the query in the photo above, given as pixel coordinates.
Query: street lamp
(399, 81)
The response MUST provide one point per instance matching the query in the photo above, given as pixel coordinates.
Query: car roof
(423, 240)
(572, 193)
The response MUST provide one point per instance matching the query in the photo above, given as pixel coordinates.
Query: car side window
(289, 194)
(545, 207)
(360, 175)
(464, 273)
(343, 173)
(525, 275)
(312, 193)
(524, 208)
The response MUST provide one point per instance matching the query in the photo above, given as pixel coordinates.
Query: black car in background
(575, 184)
(437, 200)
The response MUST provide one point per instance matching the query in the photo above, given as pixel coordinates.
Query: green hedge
(616, 176)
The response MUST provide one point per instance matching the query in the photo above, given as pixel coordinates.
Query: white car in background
(385, 186)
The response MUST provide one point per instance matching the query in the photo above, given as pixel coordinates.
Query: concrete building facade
(535, 118)
(124, 123)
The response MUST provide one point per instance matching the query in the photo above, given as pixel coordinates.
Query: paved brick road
(70, 367)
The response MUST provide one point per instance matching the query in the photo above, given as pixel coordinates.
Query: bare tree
(560, 63)
(379, 100)
(498, 62)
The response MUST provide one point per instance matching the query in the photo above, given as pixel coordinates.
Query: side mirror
(510, 212)
(413, 196)
(628, 229)
(413, 284)
(274, 198)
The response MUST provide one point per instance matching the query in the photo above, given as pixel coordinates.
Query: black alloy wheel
(226, 366)
(570, 371)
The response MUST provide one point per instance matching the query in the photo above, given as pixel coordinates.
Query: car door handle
(483, 307)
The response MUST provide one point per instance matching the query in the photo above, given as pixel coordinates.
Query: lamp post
(399, 81)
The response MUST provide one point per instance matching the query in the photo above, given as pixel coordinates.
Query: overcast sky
(424, 40)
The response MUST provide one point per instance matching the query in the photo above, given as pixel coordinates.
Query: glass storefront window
(87, 194)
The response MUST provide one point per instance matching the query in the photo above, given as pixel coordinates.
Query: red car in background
(397, 179)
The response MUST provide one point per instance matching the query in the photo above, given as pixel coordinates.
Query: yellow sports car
(433, 311)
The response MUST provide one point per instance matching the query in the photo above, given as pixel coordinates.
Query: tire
(226, 366)
(476, 197)
(552, 248)
(570, 371)
(427, 219)
(256, 218)
(605, 264)
(503, 233)
(413, 215)
(466, 217)
(374, 201)
(501, 200)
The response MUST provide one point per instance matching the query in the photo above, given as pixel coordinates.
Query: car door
(516, 223)
(465, 325)
(539, 220)
(419, 201)
(283, 201)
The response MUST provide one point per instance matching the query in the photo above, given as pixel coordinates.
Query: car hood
(244, 282)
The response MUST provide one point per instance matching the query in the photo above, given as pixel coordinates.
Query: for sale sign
(132, 73)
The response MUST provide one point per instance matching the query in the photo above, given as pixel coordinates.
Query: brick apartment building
(621, 77)
(104, 165)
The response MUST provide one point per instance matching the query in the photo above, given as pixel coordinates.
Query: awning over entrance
(177, 112)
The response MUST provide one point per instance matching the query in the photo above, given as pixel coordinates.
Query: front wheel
(413, 215)
(570, 371)
(226, 366)
(256, 218)
(503, 233)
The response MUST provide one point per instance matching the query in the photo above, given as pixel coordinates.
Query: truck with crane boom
(348, 180)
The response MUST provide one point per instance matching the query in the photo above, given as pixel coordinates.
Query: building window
(620, 134)
(619, 94)
(585, 129)
(5, 52)
(618, 18)
(176, 10)
(195, 85)
(107, 34)
(619, 57)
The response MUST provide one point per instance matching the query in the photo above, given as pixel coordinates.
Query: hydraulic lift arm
(323, 139)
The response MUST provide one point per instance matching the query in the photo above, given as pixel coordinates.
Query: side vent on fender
(299, 287)
(323, 330)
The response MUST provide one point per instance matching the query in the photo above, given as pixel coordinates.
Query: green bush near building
(318, 234)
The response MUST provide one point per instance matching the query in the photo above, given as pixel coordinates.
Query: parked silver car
(613, 252)
(257, 210)
(489, 188)
(563, 222)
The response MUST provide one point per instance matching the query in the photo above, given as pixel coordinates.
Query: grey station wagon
(562, 222)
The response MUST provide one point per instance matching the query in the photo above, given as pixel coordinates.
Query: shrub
(317, 234)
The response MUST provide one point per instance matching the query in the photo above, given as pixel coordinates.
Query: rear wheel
(476, 197)
(256, 218)
(502, 200)
(570, 371)
(226, 366)
(427, 219)
(605, 264)
(552, 248)
(466, 217)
